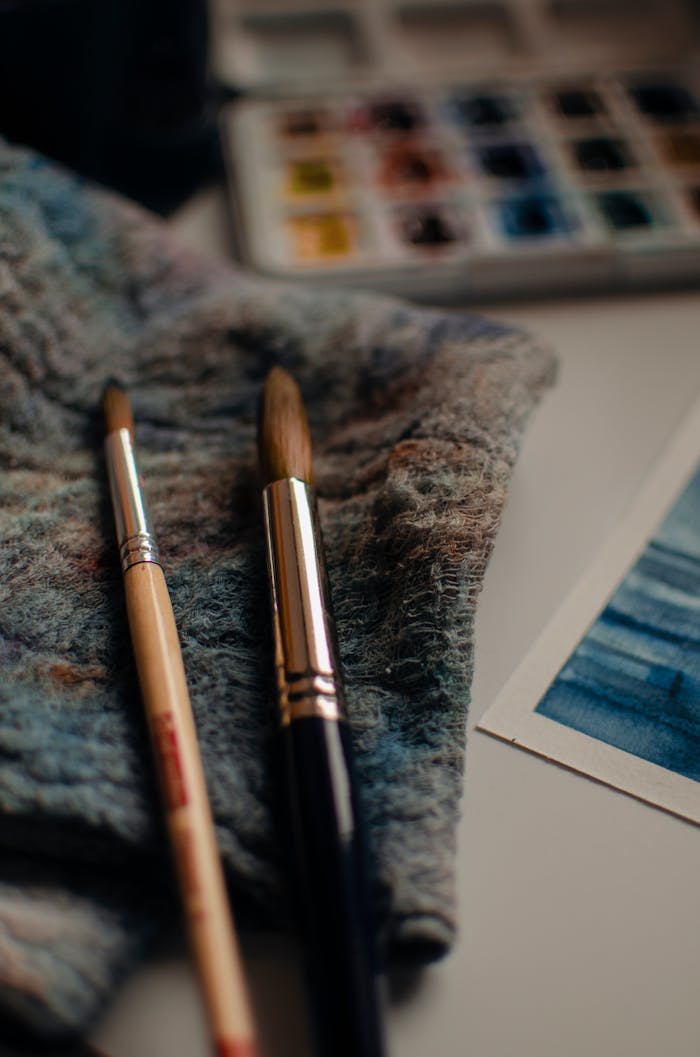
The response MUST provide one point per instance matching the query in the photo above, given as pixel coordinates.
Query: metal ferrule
(137, 542)
(305, 652)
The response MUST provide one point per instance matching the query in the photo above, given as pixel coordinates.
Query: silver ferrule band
(137, 542)
(305, 652)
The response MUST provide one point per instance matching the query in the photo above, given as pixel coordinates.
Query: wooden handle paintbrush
(167, 704)
(322, 792)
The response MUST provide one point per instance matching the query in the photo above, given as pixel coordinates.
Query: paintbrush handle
(332, 889)
(168, 709)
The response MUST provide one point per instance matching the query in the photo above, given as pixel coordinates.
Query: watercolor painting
(634, 680)
(611, 689)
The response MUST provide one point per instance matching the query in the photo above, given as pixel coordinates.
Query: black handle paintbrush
(323, 810)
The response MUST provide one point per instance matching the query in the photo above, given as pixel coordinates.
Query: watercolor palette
(469, 186)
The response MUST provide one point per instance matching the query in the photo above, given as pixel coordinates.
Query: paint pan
(305, 122)
(600, 155)
(665, 101)
(411, 168)
(310, 177)
(318, 44)
(510, 160)
(627, 211)
(577, 103)
(472, 33)
(431, 228)
(534, 216)
(318, 237)
(391, 115)
(484, 111)
(681, 147)
(642, 30)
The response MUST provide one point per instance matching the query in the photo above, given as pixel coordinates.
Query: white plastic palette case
(464, 150)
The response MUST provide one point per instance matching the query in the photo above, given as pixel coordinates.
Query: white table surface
(578, 906)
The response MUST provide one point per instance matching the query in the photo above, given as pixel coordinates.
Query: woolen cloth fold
(416, 417)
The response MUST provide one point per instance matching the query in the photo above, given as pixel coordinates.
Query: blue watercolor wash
(634, 679)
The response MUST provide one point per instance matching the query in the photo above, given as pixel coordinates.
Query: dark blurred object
(117, 89)
(17, 1043)
(69, 1049)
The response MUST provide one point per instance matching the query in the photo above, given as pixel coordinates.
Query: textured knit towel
(416, 418)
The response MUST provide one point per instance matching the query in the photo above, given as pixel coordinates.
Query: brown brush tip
(284, 441)
(117, 409)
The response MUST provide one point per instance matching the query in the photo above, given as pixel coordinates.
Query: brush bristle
(117, 410)
(284, 442)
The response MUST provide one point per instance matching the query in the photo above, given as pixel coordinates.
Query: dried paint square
(313, 176)
(665, 101)
(432, 227)
(391, 115)
(578, 103)
(602, 154)
(322, 236)
(412, 167)
(681, 147)
(304, 122)
(626, 210)
(535, 216)
(484, 110)
(510, 161)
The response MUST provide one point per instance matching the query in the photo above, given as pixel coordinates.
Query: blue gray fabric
(416, 417)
